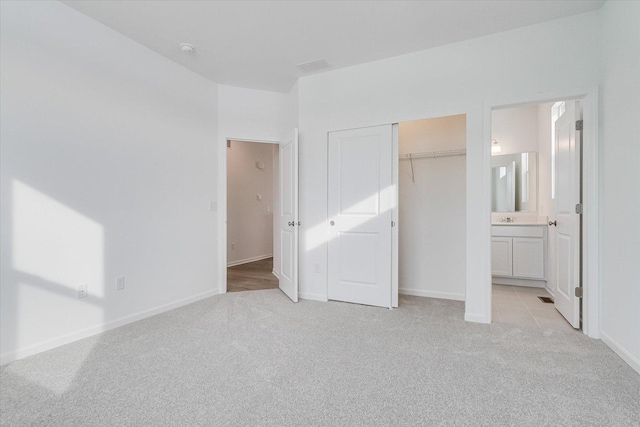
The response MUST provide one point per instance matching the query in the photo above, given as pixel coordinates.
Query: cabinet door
(528, 257)
(501, 255)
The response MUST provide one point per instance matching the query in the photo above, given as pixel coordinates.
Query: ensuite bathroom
(535, 220)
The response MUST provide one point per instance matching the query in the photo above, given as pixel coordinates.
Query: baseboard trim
(518, 282)
(476, 318)
(313, 297)
(431, 294)
(625, 355)
(275, 274)
(248, 260)
(21, 353)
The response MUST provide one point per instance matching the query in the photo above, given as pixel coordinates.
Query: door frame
(591, 200)
(222, 207)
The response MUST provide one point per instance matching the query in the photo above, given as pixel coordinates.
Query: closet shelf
(430, 154)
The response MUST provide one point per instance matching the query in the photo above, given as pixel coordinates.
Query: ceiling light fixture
(186, 47)
(495, 147)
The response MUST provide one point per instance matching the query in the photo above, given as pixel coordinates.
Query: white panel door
(568, 195)
(289, 221)
(361, 200)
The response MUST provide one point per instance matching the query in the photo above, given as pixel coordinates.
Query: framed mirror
(514, 182)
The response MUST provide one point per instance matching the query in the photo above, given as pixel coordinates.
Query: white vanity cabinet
(519, 252)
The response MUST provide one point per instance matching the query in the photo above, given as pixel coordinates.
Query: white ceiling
(257, 44)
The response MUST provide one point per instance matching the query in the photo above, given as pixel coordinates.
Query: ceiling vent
(311, 66)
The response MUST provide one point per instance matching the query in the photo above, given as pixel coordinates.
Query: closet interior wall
(432, 209)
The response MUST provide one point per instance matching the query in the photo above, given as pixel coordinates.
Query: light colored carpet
(254, 358)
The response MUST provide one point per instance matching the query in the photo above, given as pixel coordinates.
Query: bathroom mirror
(514, 182)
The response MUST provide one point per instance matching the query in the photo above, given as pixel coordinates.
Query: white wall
(454, 79)
(620, 294)
(249, 217)
(431, 222)
(516, 129)
(108, 167)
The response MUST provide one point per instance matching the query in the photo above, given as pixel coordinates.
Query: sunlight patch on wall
(54, 242)
(54, 250)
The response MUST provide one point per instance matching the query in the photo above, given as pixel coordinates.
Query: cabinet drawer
(517, 231)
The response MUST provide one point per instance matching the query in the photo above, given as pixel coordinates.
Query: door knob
(554, 223)
(291, 223)
(332, 223)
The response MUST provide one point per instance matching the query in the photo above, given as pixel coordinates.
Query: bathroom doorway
(536, 220)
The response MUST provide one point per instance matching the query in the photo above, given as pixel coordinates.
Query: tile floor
(520, 305)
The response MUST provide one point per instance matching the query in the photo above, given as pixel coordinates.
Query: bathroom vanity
(519, 254)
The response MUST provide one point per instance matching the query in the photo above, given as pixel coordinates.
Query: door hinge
(393, 223)
(578, 124)
(578, 292)
(579, 208)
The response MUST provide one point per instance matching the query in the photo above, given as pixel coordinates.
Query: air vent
(546, 300)
(311, 66)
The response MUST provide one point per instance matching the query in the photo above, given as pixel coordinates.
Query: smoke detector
(316, 65)
(186, 47)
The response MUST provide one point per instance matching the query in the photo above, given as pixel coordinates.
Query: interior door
(289, 221)
(360, 204)
(567, 220)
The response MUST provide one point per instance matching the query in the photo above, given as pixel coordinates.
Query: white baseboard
(21, 353)
(518, 282)
(476, 318)
(275, 273)
(313, 297)
(431, 294)
(248, 260)
(625, 355)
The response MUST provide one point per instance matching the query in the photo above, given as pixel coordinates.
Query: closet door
(361, 200)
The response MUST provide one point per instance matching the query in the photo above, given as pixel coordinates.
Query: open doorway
(536, 220)
(252, 204)
(431, 204)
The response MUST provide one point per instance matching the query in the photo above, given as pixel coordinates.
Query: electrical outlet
(82, 291)
(119, 283)
(213, 206)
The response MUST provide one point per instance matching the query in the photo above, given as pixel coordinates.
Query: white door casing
(568, 195)
(361, 200)
(289, 219)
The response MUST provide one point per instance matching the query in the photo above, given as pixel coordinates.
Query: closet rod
(430, 154)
